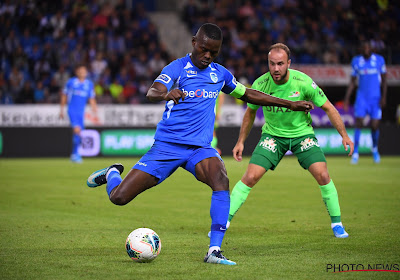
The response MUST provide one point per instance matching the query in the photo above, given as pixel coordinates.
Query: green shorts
(271, 149)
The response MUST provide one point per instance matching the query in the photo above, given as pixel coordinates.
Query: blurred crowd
(317, 32)
(42, 41)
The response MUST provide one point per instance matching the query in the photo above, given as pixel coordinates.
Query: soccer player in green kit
(288, 130)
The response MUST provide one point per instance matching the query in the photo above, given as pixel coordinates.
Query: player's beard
(283, 76)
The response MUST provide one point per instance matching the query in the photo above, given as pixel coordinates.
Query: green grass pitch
(54, 227)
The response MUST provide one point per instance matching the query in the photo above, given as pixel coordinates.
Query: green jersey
(283, 122)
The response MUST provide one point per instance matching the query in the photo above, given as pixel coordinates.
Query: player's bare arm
(63, 101)
(337, 122)
(93, 105)
(349, 91)
(159, 92)
(383, 89)
(258, 98)
(247, 124)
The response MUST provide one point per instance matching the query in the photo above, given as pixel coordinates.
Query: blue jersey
(369, 76)
(78, 94)
(191, 121)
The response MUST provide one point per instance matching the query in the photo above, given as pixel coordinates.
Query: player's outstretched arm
(337, 122)
(159, 92)
(258, 98)
(247, 124)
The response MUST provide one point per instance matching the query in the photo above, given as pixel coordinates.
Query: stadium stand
(42, 41)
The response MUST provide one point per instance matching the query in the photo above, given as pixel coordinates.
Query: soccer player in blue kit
(77, 91)
(370, 69)
(190, 86)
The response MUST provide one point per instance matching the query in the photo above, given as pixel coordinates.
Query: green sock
(331, 200)
(238, 197)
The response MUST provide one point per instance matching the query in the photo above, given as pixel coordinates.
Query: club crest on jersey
(308, 143)
(269, 144)
(214, 77)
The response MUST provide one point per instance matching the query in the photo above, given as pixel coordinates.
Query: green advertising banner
(126, 142)
(331, 142)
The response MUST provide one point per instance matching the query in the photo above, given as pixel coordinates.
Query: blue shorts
(76, 119)
(164, 158)
(364, 107)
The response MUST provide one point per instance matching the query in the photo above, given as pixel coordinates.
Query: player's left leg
(330, 197)
(312, 158)
(76, 121)
(76, 141)
(376, 115)
(209, 168)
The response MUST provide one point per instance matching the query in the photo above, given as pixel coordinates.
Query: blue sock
(76, 140)
(375, 138)
(219, 212)
(113, 180)
(357, 133)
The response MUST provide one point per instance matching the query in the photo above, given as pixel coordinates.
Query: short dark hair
(211, 31)
(282, 47)
(79, 65)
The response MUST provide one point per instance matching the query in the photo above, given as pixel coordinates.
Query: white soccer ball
(143, 245)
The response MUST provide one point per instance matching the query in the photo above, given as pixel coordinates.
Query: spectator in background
(130, 93)
(62, 54)
(103, 95)
(11, 43)
(16, 80)
(67, 34)
(98, 65)
(77, 55)
(49, 55)
(42, 68)
(61, 76)
(26, 94)
(40, 93)
(53, 91)
(5, 96)
(116, 91)
(140, 65)
(156, 63)
(58, 22)
(19, 59)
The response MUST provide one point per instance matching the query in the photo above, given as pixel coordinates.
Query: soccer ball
(143, 245)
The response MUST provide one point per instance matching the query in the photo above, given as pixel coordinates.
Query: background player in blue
(370, 69)
(77, 91)
(190, 86)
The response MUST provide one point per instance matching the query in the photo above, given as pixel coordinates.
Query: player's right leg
(360, 112)
(267, 155)
(121, 191)
(154, 167)
(76, 121)
(357, 134)
(375, 135)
